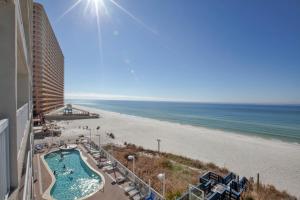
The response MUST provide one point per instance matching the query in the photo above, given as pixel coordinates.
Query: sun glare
(98, 10)
(98, 7)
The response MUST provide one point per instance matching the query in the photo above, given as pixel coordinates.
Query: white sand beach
(277, 162)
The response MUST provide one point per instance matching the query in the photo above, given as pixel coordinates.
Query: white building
(15, 98)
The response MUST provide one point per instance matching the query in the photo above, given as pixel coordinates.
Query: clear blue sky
(208, 51)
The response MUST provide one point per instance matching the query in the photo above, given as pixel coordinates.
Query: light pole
(149, 183)
(162, 178)
(99, 135)
(90, 139)
(99, 160)
(51, 127)
(131, 157)
(158, 145)
(99, 142)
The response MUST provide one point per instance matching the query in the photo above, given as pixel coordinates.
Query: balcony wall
(22, 124)
(4, 155)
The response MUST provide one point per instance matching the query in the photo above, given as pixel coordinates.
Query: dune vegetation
(181, 171)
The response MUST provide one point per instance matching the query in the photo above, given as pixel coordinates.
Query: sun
(98, 7)
(99, 10)
(100, 2)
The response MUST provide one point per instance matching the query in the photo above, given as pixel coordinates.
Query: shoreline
(277, 161)
(265, 136)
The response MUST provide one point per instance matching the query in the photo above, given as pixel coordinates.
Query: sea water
(269, 121)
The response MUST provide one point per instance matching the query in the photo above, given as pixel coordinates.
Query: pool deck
(42, 180)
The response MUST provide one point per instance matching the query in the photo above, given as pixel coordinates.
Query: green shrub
(166, 164)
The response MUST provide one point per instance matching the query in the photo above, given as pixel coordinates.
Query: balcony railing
(27, 193)
(4, 155)
(22, 123)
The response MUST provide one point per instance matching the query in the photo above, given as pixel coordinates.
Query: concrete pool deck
(42, 180)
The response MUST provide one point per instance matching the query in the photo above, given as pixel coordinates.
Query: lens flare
(99, 10)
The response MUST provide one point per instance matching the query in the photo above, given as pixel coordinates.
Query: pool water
(74, 179)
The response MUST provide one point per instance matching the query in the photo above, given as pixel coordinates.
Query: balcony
(22, 124)
(28, 182)
(4, 155)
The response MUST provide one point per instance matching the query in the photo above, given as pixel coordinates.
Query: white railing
(27, 193)
(4, 155)
(22, 124)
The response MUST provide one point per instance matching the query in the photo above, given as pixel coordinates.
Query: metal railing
(22, 123)
(145, 189)
(4, 155)
(28, 183)
(27, 193)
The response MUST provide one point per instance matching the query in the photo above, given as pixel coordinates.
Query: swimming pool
(74, 179)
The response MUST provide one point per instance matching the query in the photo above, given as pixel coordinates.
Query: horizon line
(109, 97)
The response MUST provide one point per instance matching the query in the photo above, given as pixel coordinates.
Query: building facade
(48, 65)
(15, 98)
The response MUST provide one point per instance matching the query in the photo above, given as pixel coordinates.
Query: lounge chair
(129, 188)
(94, 152)
(102, 159)
(120, 179)
(138, 197)
(133, 192)
(108, 169)
(96, 156)
(86, 145)
(104, 164)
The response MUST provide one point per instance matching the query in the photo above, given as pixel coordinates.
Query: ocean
(268, 121)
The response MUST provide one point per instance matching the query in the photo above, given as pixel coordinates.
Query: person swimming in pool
(61, 156)
(54, 172)
(64, 167)
(71, 172)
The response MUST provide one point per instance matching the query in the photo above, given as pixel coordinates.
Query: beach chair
(96, 156)
(120, 179)
(129, 188)
(86, 145)
(133, 192)
(102, 159)
(106, 163)
(109, 169)
(94, 152)
(139, 196)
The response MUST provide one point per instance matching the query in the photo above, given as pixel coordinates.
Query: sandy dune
(277, 162)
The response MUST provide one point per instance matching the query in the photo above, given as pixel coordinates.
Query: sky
(207, 51)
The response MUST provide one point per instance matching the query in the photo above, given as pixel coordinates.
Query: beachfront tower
(15, 98)
(48, 65)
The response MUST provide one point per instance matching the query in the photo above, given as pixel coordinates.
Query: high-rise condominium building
(15, 99)
(48, 65)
